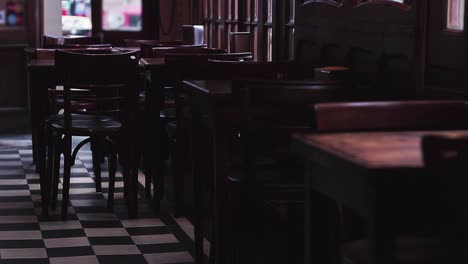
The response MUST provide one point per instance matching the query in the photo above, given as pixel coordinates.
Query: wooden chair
(270, 110)
(392, 115)
(55, 41)
(158, 51)
(167, 107)
(108, 82)
(161, 52)
(240, 42)
(397, 115)
(136, 43)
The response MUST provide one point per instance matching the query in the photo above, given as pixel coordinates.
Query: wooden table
(364, 171)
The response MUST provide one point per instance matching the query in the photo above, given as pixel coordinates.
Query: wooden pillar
(174, 14)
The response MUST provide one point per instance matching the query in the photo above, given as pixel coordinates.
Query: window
(269, 30)
(76, 17)
(122, 15)
(290, 29)
(270, 23)
(456, 15)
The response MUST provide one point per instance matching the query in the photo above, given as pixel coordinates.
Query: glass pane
(121, 15)
(255, 43)
(76, 17)
(236, 9)
(270, 11)
(248, 10)
(291, 44)
(255, 10)
(205, 9)
(292, 13)
(456, 15)
(269, 44)
(220, 37)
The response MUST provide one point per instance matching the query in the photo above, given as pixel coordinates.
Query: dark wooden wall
(383, 44)
(447, 60)
(14, 103)
(174, 14)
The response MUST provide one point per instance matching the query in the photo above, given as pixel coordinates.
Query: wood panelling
(447, 61)
(13, 92)
(381, 43)
(174, 14)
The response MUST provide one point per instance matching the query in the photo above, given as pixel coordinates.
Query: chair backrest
(193, 34)
(189, 57)
(392, 115)
(57, 41)
(108, 81)
(240, 42)
(271, 110)
(287, 103)
(156, 51)
(49, 54)
(136, 43)
(246, 69)
(446, 161)
(162, 52)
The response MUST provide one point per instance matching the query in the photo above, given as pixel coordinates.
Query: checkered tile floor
(92, 234)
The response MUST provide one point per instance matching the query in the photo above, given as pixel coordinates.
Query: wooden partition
(381, 41)
(20, 28)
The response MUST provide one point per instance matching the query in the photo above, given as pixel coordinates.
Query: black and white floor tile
(92, 233)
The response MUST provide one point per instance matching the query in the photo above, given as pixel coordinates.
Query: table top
(370, 150)
(46, 63)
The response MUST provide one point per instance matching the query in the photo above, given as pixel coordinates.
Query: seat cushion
(87, 124)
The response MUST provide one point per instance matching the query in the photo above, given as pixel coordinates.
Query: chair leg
(158, 180)
(48, 176)
(112, 168)
(132, 195)
(96, 153)
(66, 176)
(55, 173)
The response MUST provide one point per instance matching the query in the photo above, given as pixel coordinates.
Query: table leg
(197, 167)
(220, 159)
(321, 222)
(382, 232)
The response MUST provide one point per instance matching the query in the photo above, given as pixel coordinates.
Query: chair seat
(83, 125)
(410, 250)
(57, 117)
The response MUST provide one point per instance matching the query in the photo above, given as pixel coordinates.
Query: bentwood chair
(55, 41)
(136, 43)
(166, 110)
(392, 115)
(108, 83)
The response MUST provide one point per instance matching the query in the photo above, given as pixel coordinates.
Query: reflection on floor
(92, 234)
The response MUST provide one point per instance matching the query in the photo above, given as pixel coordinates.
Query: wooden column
(174, 14)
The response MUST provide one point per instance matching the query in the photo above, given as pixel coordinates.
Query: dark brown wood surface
(379, 175)
(373, 150)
